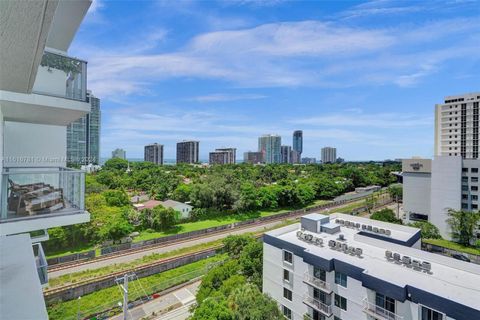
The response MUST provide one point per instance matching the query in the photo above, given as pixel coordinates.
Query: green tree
(214, 279)
(386, 215)
(395, 191)
(116, 198)
(233, 245)
(251, 262)
(182, 193)
(428, 230)
(214, 308)
(248, 302)
(370, 203)
(463, 225)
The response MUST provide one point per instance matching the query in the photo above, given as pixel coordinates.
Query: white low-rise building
(351, 268)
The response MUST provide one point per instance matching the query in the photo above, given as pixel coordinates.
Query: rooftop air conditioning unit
(341, 237)
(388, 232)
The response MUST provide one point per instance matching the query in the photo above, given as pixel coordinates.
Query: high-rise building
(329, 155)
(119, 153)
(253, 157)
(450, 180)
(153, 153)
(456, 126)
(42, 90)
(286, 152)
(270, 146)
(83, 135)
(223, 156)
(187, 151)
(349, 267)
(298, 143)
(295, 156)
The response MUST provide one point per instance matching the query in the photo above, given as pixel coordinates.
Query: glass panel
(319, 273)
(28, 192)
(61, 76)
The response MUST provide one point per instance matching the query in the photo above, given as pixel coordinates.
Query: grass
(452, 245)
(104, 299)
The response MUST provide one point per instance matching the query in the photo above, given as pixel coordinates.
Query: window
(474, 197)
(474, 206)
(464, 169)
(341, 279)
(336, 318)
(288, 257)
(319, 273)
(429, 314)
(287, 312)
(286, 275)
(474, 179)
(474, 188)
(287, 294)
(340, 302)
(475, 170)
(385, 302)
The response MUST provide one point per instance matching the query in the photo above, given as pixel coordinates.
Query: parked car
(460, 257)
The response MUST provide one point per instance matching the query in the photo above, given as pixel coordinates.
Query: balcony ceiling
(67, 19)
(24, 29)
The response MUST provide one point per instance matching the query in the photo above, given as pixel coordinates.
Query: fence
(449, 252)
(193, 234)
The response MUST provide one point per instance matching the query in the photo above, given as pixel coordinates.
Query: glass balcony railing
(41, 263)
(378, 312)
(36, 192)
(61, 76)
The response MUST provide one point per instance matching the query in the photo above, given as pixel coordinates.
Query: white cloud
(223, 97)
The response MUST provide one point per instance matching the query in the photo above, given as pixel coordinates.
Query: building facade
(119, 153)
(286, 153)
(83, 135)
(223, 156)
(188, 152)
(298, 144)
(42, 91)
(343, 267)
(253, 157)
(307, 160)
(450, 180)
(270, 146)
(153, 153)
(329, 155)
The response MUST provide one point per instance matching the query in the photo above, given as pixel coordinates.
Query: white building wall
(34, 145)
(416, 193)
(446, 190)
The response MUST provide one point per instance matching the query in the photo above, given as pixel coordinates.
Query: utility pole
(124, 287)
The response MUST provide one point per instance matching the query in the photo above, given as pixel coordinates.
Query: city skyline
(164, 74)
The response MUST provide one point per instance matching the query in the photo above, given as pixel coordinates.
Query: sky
(362, 76)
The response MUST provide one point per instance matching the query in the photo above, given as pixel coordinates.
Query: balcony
(61, 76)
(378, 312)
(34, 196)
(318, 305)
(41, 263)
(317, 283)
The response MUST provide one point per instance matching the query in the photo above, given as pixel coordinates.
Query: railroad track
(128, 252)
(114, 275)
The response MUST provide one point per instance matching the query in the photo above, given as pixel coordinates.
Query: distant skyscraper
(298, 143)
(119, 153)
(223, 156)
(83, 135)
(270, 146)
(286, 152)
(295, 156)
(154, 153)
(187, 151)
(329, 155)
(253, 157)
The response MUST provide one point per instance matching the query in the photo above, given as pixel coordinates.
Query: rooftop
(452, 279)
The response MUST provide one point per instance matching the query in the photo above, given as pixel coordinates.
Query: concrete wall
(446, 190)
(416, 193)
(34, 145)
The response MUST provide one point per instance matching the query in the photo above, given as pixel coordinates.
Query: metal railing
(314, 281)
(35, 192)
(379, 312)
(318, 305)
(61, 76)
